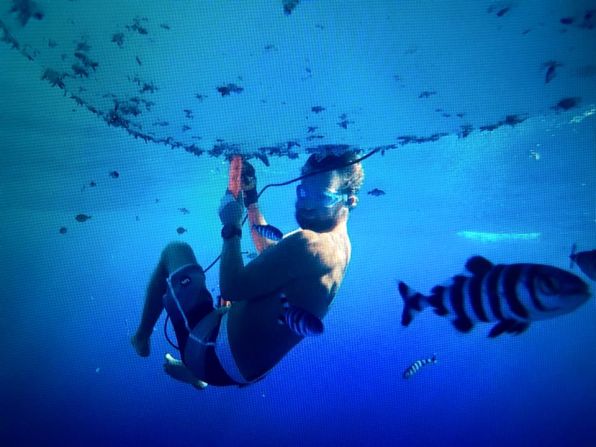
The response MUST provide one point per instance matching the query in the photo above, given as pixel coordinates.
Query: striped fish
(269, 232)
(298, 320)
(512, 295)
(415, 367)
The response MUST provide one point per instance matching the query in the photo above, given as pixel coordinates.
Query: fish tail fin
(412, 302)
(572, 256)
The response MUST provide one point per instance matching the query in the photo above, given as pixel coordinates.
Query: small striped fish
(512, 295)
(269, 232)
(298, 320)
(415, 367)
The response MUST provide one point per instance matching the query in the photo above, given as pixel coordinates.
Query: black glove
(249, 184)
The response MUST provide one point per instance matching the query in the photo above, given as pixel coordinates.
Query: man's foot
(141, 345)
(176, 370)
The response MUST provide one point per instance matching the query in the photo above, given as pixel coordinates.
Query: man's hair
(351, 174)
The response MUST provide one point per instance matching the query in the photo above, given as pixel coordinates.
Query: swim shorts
(187, 301)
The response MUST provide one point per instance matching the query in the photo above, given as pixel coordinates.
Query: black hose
(320, 171)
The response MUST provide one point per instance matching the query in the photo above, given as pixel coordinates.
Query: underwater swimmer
(296, 277)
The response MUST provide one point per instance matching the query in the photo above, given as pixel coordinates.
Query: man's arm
(255, 217)
(294, 256)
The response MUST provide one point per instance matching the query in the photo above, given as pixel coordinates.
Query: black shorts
(187, 301)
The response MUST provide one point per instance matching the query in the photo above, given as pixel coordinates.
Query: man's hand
(249, 184)
(231, 210)
(249, 177)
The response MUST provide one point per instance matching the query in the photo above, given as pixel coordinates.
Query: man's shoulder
(297, 254)
(316, 249)
(301, 239)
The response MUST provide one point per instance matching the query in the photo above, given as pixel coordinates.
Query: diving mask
(318, 199)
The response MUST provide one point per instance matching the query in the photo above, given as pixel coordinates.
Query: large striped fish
(415, 367)
(512, 295)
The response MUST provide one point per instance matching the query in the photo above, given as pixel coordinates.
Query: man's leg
(174, 256)
(176, 370)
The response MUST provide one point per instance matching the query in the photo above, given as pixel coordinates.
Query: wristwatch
(229, 231)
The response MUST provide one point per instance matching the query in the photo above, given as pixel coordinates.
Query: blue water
(70, 302)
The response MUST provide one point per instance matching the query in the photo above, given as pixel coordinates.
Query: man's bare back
(259, 340)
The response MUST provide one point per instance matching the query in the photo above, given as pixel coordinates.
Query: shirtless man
(239, 344)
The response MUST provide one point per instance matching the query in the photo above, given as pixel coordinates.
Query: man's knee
(176, 254)
(176, 246)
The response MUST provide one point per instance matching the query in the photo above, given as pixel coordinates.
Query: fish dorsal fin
(572, 256)
(478, 265)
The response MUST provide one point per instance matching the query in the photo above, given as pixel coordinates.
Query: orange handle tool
(235, 175)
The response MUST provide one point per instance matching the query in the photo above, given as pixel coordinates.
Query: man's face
(310, 210)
